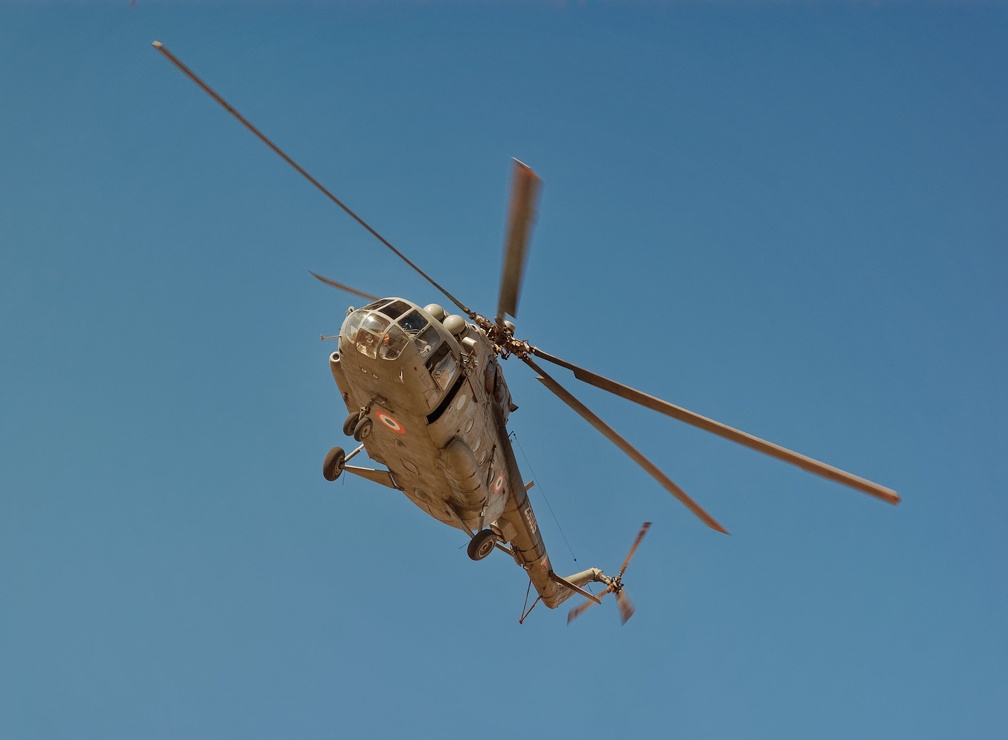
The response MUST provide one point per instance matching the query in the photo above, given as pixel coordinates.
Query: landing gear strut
(482, 544)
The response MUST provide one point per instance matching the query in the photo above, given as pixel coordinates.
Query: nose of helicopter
(393, 348)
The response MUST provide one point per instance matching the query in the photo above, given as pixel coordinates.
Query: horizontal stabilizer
(577, 580)
(382, 477)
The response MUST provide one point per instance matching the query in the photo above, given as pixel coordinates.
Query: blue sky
(791, 218)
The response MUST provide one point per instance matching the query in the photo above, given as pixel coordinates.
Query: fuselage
(439, 403)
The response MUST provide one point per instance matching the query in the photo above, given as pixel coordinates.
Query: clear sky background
(791, 218)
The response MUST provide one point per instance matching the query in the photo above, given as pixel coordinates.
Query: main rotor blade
(625, 607)
(341, 286)
(723, 430)
(564, 395)
(640, 536)
(262, 137)
(524, 193)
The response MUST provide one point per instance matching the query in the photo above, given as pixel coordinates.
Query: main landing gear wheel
(334, 463)
(363, 429)
(482, 544)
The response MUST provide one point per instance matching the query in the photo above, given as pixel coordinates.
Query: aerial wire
(514, 438)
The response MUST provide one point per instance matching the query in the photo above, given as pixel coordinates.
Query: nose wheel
(358, 425)
(482, 544)
(363, 428)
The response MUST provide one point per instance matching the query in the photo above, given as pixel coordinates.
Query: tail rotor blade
(521, 214)
(633, 549)
(625, 607)
(580, 609)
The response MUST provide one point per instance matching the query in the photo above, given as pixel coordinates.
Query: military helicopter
(427, 400)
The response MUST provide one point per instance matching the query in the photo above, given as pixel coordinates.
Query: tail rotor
(614, 586)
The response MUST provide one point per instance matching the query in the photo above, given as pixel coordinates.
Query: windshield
(384, 328)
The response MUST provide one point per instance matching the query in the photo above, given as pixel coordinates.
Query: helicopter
(427, 401)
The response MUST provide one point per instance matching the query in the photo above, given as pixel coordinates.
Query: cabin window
(442, 366)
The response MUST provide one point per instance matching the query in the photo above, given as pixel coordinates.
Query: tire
(351, 423)
(363, 429)
(482, 544)
(333, 464)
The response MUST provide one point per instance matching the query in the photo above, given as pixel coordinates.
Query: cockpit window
(375, 323)
(413, 322)
(369, 334)
(351, 325)
(442, 366)
(427, 340)
(395, 309)
(393, 342)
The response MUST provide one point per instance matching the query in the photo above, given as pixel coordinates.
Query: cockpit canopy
(383, 329)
